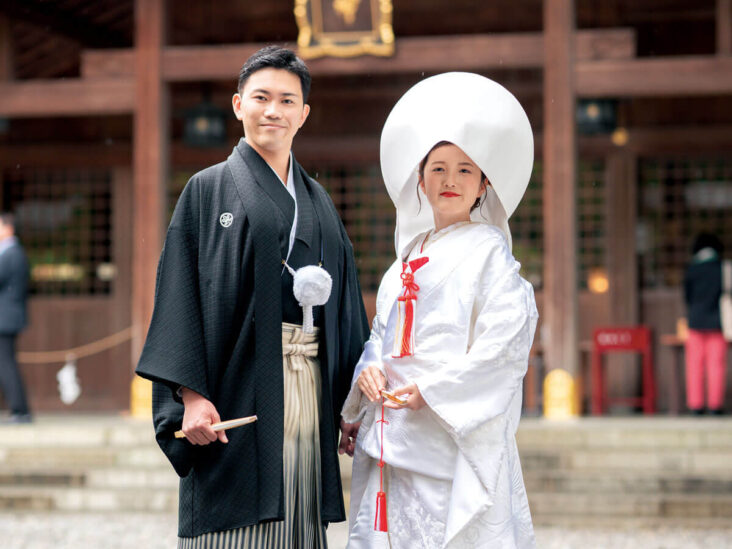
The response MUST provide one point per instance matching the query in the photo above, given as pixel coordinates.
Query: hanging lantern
(596, 116)
(205, 125)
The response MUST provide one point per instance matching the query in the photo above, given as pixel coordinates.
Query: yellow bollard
(141, 398)
(560, 395)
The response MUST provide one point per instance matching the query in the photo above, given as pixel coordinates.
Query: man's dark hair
(7, 218)
(276, 57)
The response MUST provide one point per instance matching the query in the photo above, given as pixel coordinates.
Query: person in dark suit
(13, 318)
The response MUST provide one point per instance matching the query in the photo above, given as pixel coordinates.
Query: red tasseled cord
(408, 327)
(380, 522)
(411, 288)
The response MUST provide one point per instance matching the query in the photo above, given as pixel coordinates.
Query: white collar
(290, 186)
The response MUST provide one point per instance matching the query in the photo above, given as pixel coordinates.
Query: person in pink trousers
(706, 348)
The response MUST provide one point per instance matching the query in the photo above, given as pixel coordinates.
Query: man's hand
(349, 432)
(415, 401)
(371, 381)
(198, 416)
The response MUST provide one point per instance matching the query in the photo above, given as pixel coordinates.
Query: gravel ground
(138, 531)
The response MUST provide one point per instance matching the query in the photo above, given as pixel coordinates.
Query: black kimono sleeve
(174, 351)
(353, 325)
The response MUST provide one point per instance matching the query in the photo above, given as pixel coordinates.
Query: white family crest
(226, 219)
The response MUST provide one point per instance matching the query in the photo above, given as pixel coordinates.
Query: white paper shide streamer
(311, 285)
(69, 387)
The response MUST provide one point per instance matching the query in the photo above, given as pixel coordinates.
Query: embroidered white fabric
(473, 331)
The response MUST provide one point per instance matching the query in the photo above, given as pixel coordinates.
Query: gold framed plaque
(344, 28)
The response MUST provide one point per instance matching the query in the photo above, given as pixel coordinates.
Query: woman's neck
(442, 222)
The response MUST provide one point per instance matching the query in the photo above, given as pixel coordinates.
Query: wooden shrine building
(630, 101)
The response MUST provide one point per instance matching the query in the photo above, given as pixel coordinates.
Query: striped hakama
(302, 527)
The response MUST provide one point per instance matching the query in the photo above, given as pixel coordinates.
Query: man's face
(271, 109)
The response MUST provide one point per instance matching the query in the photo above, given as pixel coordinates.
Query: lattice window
(678, 199)
(590, 218)
(527, 230)
(527, 223)
(63, 219)
(369, 217)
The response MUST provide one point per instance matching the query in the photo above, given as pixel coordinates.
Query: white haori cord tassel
(311, 285)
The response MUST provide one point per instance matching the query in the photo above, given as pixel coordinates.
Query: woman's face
(451, 182)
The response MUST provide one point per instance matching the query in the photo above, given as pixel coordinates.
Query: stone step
(594, 525)
(691, 461)
(547, 506)
(575, 482)
(82, 457)
(638, 433)
(55, 432)
(112, 477)
(123, 478)
(42, 478)
(35, 498)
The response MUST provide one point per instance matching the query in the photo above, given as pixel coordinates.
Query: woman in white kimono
(453, 328)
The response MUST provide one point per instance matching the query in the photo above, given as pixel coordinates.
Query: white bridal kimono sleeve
(474, 325)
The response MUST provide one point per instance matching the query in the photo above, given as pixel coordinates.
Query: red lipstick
(449, 194)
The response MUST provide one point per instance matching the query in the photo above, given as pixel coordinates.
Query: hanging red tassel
(381, 524)
(404, 337)
(380, 521)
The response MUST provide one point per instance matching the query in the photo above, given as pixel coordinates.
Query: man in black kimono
(215, 344)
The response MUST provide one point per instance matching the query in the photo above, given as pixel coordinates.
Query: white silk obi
(473, 328)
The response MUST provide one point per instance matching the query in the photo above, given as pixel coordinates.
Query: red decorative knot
(404, 336)
(410, 287)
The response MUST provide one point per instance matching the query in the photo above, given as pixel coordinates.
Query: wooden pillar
(559, 335)
(6, 50)
(6, 73)
(150, 159)
(621, 214)
(621, 203)
(724, 27)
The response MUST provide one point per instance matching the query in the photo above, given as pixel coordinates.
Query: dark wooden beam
(108, 62)
(66, 155)
(150, 161)
(678, 76)
(71, 97)
(680, 140)
(560, 336)
(414, 54)
(6, 50)
(724, 27)
(49, 16)
(314, 150)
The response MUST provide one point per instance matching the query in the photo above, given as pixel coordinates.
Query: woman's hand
(414, 401)
(371, 381)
